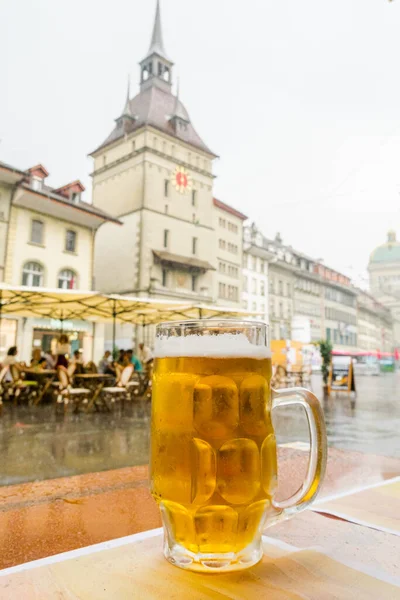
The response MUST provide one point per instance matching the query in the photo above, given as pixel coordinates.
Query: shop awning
(65, 305)
(186, 262)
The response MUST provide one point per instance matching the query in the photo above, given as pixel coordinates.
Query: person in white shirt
(10, 359)
(145, 354)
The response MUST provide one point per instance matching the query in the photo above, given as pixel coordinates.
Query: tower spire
(156, 68)
(157, 43)
(127, 108)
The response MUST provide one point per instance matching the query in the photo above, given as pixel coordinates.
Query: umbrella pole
(114, 330)
(1, 309)
(62, 321)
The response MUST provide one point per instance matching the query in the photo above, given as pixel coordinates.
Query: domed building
(384, 277)
(384, 267)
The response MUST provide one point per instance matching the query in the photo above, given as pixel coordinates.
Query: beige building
(228, 224)
(154, 173)
(256, 258)
(307, 301)
(46, 240)
(374, 324)
(384, 275)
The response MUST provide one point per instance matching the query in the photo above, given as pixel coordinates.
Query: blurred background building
(47, 239)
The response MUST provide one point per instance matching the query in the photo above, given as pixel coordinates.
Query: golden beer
(213, 453)
(213, 447)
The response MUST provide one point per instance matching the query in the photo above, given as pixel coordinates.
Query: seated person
(38, 360)
(105, 365)
(145, 354)
(11, 359)
(135, 361)
(78, 362)
(63, 351)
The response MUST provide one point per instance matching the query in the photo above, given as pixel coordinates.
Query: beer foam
(224, 345)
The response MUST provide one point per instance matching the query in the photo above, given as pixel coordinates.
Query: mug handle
(318, 453)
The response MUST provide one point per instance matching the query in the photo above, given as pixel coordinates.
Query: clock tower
(154, 173)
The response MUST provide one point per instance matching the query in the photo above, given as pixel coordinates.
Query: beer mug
(213, 447)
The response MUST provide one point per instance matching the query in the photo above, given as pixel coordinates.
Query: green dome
(387, 253)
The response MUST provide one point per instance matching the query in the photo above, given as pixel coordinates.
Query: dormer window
(37, 183)
(76, 197)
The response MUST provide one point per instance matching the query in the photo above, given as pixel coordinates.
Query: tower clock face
(181, 180)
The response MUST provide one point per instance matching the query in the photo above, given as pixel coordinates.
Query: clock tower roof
(156, 105)
(157, 108)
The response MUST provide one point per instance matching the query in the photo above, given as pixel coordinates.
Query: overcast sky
(299, 98)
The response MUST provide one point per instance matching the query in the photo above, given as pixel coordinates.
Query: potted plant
(325, 348)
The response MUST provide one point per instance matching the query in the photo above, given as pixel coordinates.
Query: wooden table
(44, 377)
(95, 382)
(48, 517)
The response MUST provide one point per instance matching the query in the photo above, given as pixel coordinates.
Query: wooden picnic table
(95, 382)
(44, 378)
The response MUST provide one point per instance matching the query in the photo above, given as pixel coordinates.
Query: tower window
(164, 275)
(167, 74)
(166, 238)
(166, 188)
(194, 245)
(160, 69)
(194, 197)
(194, 283)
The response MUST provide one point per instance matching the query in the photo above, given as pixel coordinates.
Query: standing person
(63, 351)
(135, 361)
(145, 354)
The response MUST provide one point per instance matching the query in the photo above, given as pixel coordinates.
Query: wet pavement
(37, 444)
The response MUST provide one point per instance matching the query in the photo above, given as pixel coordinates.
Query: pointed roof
(157, 43)
(127, 108)
(154, 107)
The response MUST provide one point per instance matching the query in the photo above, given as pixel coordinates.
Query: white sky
(299, 98)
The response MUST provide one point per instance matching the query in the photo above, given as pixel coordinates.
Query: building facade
(228, 225)
(307, 301)
(374, 324)
(47, 240)
(154, 173)
(255, 272)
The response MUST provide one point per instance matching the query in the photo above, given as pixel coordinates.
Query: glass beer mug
(213, 447)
